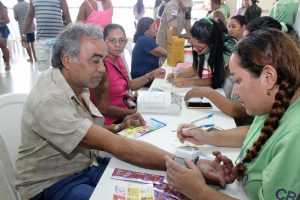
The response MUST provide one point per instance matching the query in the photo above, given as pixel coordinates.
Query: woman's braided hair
(275, 48)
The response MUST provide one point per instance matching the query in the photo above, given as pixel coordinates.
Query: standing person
(285, 11)
(217, 11)
(4, 33)
(47, 30)
(253, 11)
(265, 65)
(227, 9)
(242, 10)
(20, 12)
(97, 12)
(110, 96)
(177, 14)
(155, 12)
(138, 11)
(146, 52)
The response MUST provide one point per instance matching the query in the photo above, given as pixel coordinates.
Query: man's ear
(270, 76)
(66, 60)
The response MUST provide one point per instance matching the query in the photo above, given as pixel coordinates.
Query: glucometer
(186, 152)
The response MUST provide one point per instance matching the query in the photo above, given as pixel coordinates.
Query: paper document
(134, 192)
(151, 125)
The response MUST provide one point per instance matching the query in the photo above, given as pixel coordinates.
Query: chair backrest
(11, 107)
(7, 176)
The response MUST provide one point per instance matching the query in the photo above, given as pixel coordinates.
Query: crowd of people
(85, 97)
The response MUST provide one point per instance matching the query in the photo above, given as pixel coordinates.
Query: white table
(167, 140)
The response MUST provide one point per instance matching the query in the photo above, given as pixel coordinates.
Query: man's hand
(219, 171)
(133, 120)
(230, 172)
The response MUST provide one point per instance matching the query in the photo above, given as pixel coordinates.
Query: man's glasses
(115, 41)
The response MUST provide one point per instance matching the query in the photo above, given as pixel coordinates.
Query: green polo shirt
(285, 11)
(274, 173)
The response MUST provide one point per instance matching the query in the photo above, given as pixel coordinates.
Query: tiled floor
(22, 76)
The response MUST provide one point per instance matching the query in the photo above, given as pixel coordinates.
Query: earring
(268, 92)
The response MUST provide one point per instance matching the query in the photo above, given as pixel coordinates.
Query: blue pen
(202, 118)
(201, 126)
(158, 121)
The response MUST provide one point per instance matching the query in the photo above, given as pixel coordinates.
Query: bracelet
(117, 127)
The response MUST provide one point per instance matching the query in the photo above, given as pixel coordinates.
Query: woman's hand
(198, 92)
(196, 136)
(158, 73)
(182, 82)
(188, 181)
(170, 77)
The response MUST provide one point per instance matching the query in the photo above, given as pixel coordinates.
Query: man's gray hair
(68, 41)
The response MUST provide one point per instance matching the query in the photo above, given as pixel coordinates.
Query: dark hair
(208, 31)
(110, 27)
(68, 41)
(139, 6)
(269, 22)
(143, 25)
(157, 3)
(270, 47)
(240, 19)
(216, 1)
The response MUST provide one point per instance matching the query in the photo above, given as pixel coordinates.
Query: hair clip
(284, 28)
(207, 19)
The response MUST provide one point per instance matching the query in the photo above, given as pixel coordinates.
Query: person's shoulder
(16, 6)
(171, 5)
(146, 38)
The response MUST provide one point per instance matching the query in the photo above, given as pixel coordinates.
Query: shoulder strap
(119, 71)
(89, 4)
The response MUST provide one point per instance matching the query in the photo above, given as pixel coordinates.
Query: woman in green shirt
(266, 69)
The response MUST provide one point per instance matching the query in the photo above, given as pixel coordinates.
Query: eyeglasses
(197, 45)
(115, 41)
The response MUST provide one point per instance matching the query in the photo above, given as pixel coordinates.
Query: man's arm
(15, 14)
(28, 20)
(133, 151)
(65, 10)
